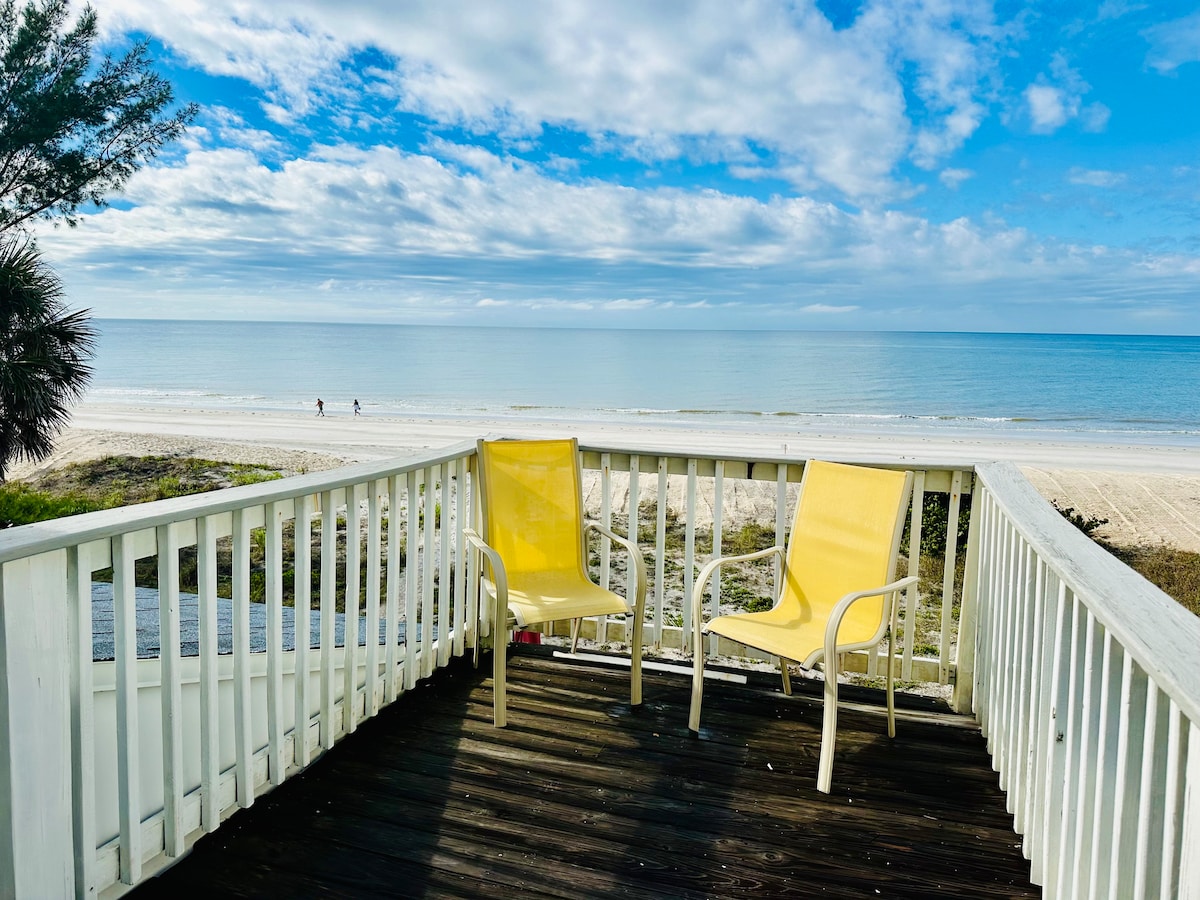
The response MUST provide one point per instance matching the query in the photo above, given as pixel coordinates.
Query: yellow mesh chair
(534, 544)
(838, 588)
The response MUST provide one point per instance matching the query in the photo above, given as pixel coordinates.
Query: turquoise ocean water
(1135, 387)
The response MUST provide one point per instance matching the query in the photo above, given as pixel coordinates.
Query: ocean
(1085, 385)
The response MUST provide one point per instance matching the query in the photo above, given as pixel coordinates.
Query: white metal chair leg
(828, 734)
(635, 664)
(697, 682)
(891, 698)
(499, 685)
(787, 677)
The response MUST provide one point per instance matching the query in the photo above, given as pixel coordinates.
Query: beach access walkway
(579, 797)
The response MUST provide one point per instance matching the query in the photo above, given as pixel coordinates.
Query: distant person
(357, 408)
(320, 407)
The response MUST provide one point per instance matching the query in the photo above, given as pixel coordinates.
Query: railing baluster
(1033, 737)
(1189, 869)
(273, 570)
(328, 606)
(83, 720)
(606, 521)
(412, 630)
(1056, 695)
(914, 566)
(1174, 795)
(243, 713)
(428, 561)
(1108, 782)
(170, 690)
(460, 558)
(1019, 752)
(351, 606)
(1072, 757)
(1152, 796)
(689, 555)
(781, 521)
(634, 522)
(660, 551)
(445, 614)
(303, 621)
(1085, 790)
(392, 612)
(949, 565)
(210, 700)
(128, 758)
(374, 573)
(1132, 725)
(717, 543)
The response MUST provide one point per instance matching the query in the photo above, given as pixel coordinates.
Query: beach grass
(123, 480)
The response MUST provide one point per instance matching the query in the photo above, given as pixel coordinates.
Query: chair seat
(553, 596)
(788, 633)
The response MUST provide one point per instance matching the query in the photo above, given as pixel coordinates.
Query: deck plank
(582, 797)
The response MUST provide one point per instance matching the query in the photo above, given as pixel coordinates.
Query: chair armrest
(639, 564)
(843, 606)
(706, 573)
(499, 576)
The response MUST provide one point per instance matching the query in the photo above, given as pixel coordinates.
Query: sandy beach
(1150, 493)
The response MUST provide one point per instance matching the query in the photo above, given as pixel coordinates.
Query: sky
(932, 165)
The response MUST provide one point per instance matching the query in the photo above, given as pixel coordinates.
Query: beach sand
(1150, 493)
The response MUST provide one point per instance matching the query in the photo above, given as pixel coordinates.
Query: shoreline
(1149, 491)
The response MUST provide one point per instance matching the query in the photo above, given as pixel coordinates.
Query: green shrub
(21, 505)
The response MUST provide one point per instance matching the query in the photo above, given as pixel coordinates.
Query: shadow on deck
(578, 797)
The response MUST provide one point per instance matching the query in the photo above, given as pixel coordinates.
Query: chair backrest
(533, 504)
(845, 537)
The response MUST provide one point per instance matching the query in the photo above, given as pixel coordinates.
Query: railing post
(964, 665)
(36, 847)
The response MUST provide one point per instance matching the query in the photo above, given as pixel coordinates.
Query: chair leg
(891, 698)
(499, 685)
(828, 732)
(697, 682)
(576, 626)
(635, 665)
(787, 677)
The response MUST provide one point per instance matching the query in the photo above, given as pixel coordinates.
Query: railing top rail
(684, 451)
(1159, 633)
(55, 534)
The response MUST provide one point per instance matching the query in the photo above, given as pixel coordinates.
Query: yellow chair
(838, 588)
(534, 543)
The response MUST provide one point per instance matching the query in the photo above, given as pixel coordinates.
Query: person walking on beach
(357, 408)
(320, 407)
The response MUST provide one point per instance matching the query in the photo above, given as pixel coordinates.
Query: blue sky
(941, 165)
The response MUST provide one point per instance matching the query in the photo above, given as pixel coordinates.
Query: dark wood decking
(579, 797)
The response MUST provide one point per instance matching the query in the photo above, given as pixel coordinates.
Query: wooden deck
(579, 797)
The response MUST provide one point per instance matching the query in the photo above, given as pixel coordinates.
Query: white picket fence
(111, 770)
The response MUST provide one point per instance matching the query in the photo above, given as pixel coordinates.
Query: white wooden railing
(1087, 686)
(110, 770)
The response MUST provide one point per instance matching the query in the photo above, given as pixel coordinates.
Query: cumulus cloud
(712, 80)
(1056, 98)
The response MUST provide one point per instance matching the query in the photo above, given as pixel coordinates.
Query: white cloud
(1174, 43)
(826, 309)
(1049, 107)
(707, 79)
(1095, 178)
(952, 178)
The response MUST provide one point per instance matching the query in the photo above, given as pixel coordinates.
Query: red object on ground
(527, 637)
